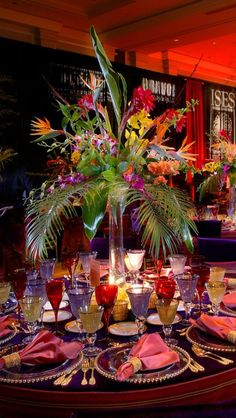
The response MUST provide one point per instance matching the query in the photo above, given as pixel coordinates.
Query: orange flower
(160, 180)
(41, 127)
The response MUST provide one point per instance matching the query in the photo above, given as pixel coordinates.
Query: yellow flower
(140, 121)
(211, 166)
(75, 157)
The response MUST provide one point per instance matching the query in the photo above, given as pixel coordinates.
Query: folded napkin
(150, 352)
(220, 326)
(229, 300)
(5, 325)
(45, 348)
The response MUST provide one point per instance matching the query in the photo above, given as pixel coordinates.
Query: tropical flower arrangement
(94, 160)
(222, 168)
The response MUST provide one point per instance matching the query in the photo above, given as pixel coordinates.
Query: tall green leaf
(93, 209)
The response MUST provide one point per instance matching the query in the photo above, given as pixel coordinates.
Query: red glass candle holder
(165, 287)
(106, 295)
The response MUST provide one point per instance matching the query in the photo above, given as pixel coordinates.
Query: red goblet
(203, 271)
(106, 296)
(18, 283)
(165, 287)
(55, 289)
(71, 262)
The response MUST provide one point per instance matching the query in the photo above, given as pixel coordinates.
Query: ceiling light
(176, 40)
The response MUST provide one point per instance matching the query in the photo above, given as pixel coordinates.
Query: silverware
(85, 368)
(69, 377)
(198, 366)
(92, 380)
(203, 353)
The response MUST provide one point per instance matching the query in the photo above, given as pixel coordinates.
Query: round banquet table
(209, 393)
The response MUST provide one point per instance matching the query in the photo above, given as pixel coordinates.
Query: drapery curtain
(195, 121)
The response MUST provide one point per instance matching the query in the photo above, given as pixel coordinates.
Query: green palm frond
(161, 216)
(6, 154)
(210, 185)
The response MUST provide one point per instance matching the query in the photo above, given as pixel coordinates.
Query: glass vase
(116, 243)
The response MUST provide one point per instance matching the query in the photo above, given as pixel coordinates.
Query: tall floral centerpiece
(103, 168)
(222, 169)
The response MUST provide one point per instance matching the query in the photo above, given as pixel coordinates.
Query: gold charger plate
(109, 360)
(207, 341)
(24, 374)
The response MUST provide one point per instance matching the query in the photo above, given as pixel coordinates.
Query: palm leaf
(210, 185)
(94, 207)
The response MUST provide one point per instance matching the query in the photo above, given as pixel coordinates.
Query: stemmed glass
(203, 271)
(90, 316)
(166, 309)
(47, 268)
(187, 283)
(165, 287)
(31, 308)
(106, 295)
(139, 299)
(37, 288)
(5, 288)
(18, 283)
(79, 297)
(177, 263)
(55, 289)
(217, 273)
(135, 262)
(85, 259)
(71, 262)
(216, 291)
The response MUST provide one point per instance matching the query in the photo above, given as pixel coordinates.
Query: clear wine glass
(139, 299)
(177, 263)
(187, 283)
(90, 316)
(79, 297)
(216, 290)
(47, 268)
(135, 261)
(37, 287)
(85, 259)
(31, 308)
(166, 309)
(55, 289)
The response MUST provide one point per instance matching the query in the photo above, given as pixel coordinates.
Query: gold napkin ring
(136, 363)
(232, 336)
(11, 360)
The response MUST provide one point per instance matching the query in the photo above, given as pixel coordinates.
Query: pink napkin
(5, 323)
(46, 348)
(150, 352)
(230, 300)
(221, 326)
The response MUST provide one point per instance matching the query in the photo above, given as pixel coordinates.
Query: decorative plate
(109, 360)
(5, 338)
(154, 319)
(72, 327)
(31, 374)
(49, 316)
(48, 306)
(9, 306)
(124, 329)
(208, 341)
(227, 311)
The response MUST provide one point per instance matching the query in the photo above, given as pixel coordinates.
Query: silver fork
(92, 380)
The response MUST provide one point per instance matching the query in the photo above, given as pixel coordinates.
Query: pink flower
(142, 99)
(180, 123)
(86, 102)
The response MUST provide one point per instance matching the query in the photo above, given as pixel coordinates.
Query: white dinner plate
(125, 329)
(72, 327)
(49, 316)
(154, 319)
(48, 306)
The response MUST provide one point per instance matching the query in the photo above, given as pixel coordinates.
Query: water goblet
(165, 287)
(85, 259)
(135, 261)
(5, 288)
(37, 287)
(31, 307)
(55, 289)
(203, 271)
(79, 297)
(187, 283)
(90, 316)
(177, 263)
(139, 297)
(166, 309)
(216, 290)
(106, 295)
(47, 268)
